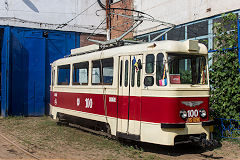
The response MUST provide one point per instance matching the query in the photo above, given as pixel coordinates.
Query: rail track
(12, 149)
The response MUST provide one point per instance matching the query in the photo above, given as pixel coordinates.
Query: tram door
(129, 100)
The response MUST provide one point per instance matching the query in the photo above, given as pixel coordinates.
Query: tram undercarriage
(196, 133)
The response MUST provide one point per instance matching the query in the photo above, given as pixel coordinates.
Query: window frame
(73, 72)
(190, 55)
(153, 68)
(69, 75)
(101, 70)
(53, 76)
(126, 72)
(121, 73)
(166, 74)
(144, 74)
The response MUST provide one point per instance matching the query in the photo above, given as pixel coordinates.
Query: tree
(224, 72)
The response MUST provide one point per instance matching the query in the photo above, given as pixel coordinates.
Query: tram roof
(169, 46)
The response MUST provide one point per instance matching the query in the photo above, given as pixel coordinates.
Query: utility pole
(108, 20)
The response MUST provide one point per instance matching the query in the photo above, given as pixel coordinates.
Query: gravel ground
(42, 137)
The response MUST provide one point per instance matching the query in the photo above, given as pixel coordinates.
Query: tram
(156, 92)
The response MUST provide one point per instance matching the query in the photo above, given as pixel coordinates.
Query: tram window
(64, 74)
(53, 76)
(107, 71)
(102, 72)
(160, 71)
(150, 63)
(148, 81)
(121, 67)
(126, 74)
(187, 69)
(138, 74)
(80, 73)
(133, 73)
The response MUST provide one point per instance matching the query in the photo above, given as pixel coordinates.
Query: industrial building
(194, 19)
(32, 35)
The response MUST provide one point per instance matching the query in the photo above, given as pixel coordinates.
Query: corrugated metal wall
(26, 58)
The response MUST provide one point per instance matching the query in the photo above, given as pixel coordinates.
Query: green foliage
(224, 73)
(186, 77)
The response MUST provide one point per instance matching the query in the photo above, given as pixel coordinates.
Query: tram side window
(138, 74)
(53, 76)
(133, 73)
(149, 68)
(161, 77)
(102, 72)
(64, 74)
(150, 63)
(107, 71)
(126, 74)
(148, 81)
(121, 67)
(80, 73)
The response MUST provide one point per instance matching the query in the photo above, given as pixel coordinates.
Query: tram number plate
(193, 120)
(193, 116)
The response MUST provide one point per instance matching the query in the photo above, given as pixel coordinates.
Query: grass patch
(43, 133)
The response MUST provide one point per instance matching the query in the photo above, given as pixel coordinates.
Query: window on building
(102, 72)
(64, 74)
(143, 38)
(197, 29)
(154, 35)
(176, 34)
(80, 73)
(228, 27)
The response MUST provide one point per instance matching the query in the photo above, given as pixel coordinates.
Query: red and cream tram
(155, 92)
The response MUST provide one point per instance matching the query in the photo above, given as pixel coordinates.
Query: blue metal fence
(230, 128)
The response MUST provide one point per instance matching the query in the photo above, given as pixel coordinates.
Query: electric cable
(88, 27)
(64, 24)
(126, 9)
(101, 4)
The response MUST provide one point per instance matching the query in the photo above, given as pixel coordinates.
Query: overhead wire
(88, 27)
(64, 24)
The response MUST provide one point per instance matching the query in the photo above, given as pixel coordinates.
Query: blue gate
(26, 57)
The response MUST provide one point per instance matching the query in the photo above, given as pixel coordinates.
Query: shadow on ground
(175, 151)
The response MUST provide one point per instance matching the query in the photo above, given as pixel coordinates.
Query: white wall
(181, 11)
(48, 14)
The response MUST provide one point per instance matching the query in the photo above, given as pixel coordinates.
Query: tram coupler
(203, 142)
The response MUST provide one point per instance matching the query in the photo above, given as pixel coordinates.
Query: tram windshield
(187, 69)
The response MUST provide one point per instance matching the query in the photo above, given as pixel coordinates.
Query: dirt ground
(43, 138)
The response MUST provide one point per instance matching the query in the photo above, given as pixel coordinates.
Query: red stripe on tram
(148, 109)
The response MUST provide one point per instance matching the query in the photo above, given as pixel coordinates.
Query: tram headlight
(203, 113)
(183, 114)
